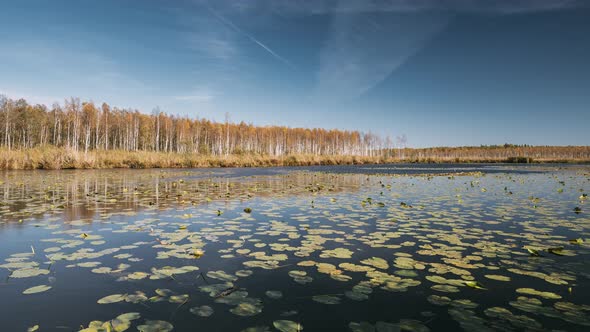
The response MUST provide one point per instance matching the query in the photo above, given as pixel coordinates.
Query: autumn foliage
(84, 135)
(84, 126)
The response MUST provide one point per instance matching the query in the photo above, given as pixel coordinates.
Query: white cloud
(206, 36)
(363, 49)
(201, 95)
(248, 36)
(215, 44)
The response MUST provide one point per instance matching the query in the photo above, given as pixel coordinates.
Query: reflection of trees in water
(85, 194)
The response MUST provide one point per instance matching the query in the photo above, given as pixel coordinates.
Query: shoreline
(52, 158)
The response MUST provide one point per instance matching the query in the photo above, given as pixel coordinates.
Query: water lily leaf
(246, 309)
(387, 327)
(275, 295)
(337, 253)
(244, 273)
(531, 291)
(37, 289)
(413, 326)
(112, 299)
(129, 316)
(89, 264)
(534, 252)
(377, 262)
(361, 327)
(118, 325)
(556, 251)
(439, 300)
(356, 296)
(179, 299)
(28, 273)
(102, 270)
(497, 277)
(202, 311)
(475, 284)
(257, 329)
(138, 297)
(221, 275)
(445, 288)
(138, 275)
(155, 326)
(326, 299)
(287, 326)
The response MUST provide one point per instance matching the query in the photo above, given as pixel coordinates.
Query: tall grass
(50, 157)
(60, 158)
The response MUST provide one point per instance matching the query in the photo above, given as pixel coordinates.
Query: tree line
(84, 126)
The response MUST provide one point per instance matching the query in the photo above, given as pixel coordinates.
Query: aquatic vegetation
(275, 295)
(497, 277)
(380, 326)
(155, 326)
(118, 324)
(376, 262)
(287, 326)
(342, 253)
(456, 254)
(112, 299)
(37, 289)
(475, 284)
(545, 295)
(326, 299)
(202, 311)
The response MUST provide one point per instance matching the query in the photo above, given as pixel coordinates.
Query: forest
(84, 126)
(78, 134)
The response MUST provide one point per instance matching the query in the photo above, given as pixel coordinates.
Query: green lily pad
(287, 326)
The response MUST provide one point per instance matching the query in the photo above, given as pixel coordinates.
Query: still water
(351, 248)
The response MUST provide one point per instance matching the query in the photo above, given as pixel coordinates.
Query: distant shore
(62, 158)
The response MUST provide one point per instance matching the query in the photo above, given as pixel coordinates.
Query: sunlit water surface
(355, 248)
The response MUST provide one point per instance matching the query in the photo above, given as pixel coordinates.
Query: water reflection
(86, 194)
(346, 251)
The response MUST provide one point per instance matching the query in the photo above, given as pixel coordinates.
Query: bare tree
(401, 144)
(156, 113)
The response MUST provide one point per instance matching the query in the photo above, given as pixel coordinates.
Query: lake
(335, 248)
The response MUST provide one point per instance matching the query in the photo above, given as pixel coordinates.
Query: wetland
(330, 248)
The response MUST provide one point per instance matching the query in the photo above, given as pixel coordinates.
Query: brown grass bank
(61, 158)
(50, 157)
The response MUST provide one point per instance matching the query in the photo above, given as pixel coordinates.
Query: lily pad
(202, 311)
(37, 289)
(155, 326)
(112, 299)
(287, 326)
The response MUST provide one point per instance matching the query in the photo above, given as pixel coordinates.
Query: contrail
(252, 39)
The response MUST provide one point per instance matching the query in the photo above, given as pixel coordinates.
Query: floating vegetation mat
(291, 250)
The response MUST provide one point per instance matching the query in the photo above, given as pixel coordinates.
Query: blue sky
(455, 72)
